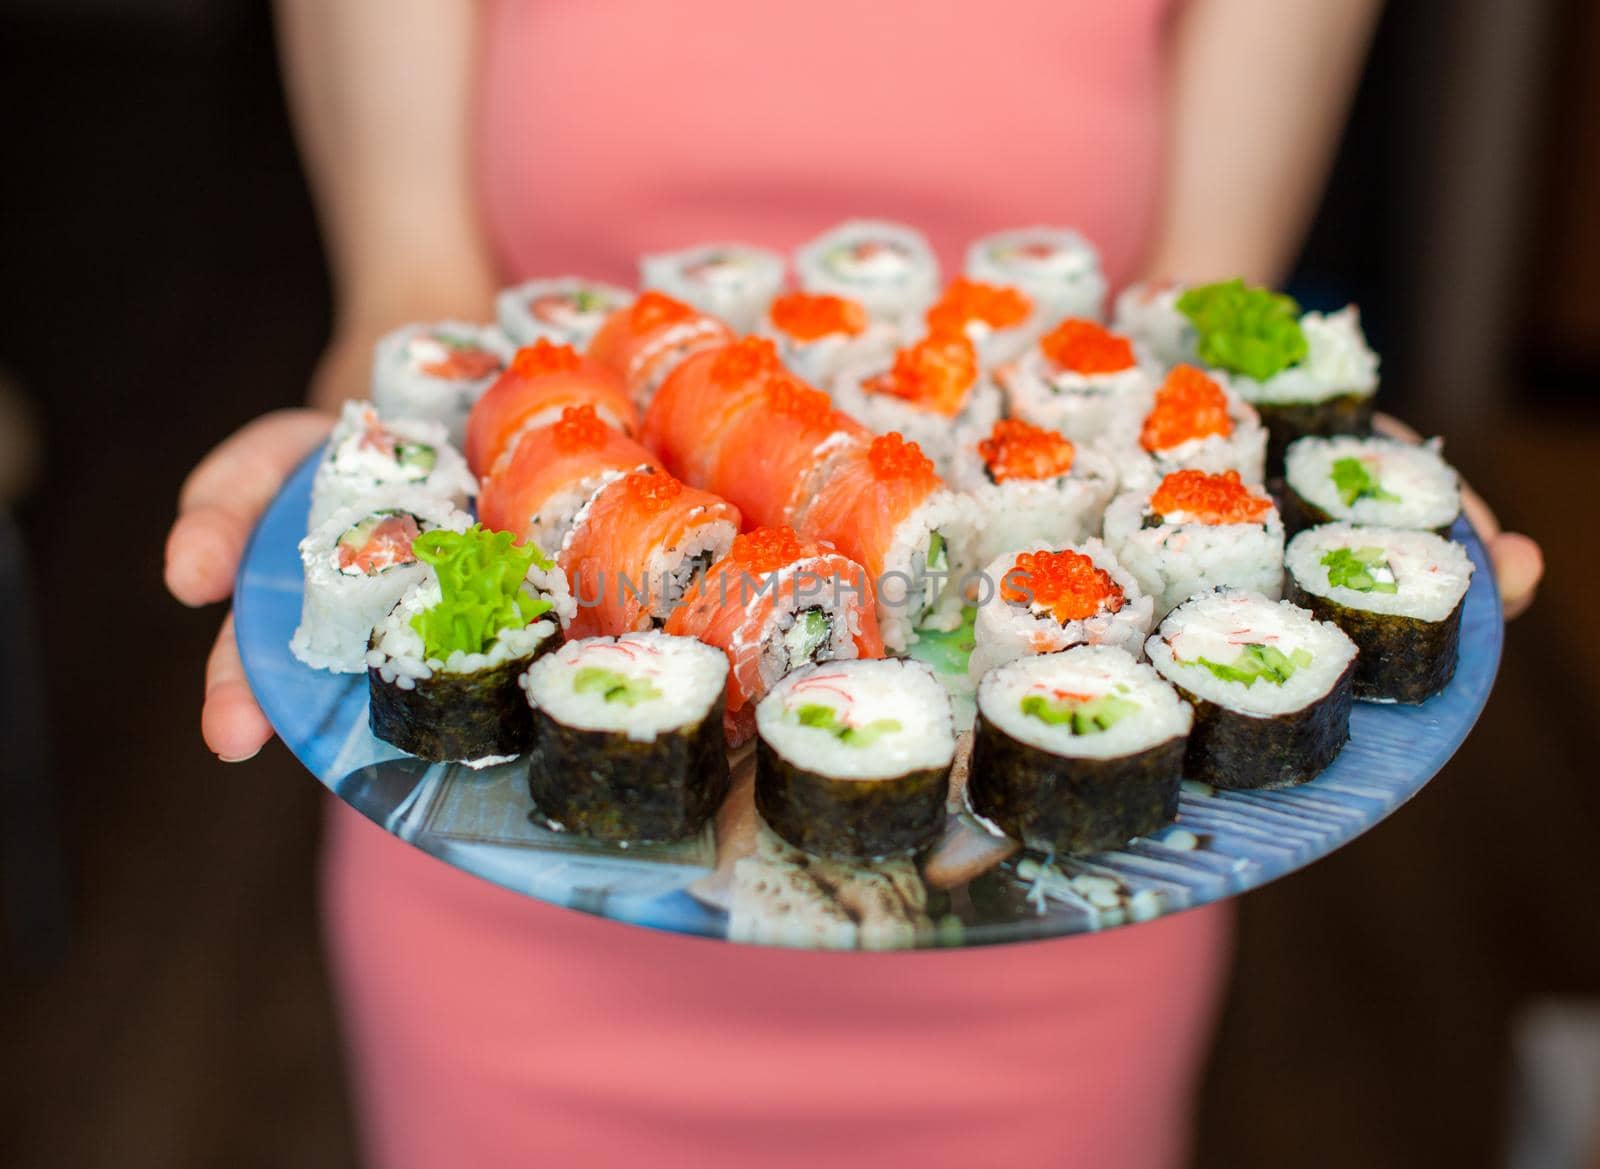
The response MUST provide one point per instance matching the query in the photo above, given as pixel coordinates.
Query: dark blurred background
(1419, 999)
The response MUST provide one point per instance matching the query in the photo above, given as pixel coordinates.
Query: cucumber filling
(1256, 663)
(1354, 481)
(1082, 716)
(825, 718)
(614, 687)
(1365, 570)
(804, 640)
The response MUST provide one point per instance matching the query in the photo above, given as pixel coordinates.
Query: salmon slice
(645, 341)
(869, 491)
(541, 381)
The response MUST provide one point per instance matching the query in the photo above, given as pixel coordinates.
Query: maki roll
(645, 341)
(1397, 594)
(853, 759)
(887, 267)
(1197, 531)
(819, 335)
(564, 311)
(1080, 379)
(437, 372)
(1033, 486)
(1379, 481)
(1270, 684)
(730, 281)
(773, 604)
(1194, 421)
(1077, 751)
(628, 735)
(553, 472)
(443, 666)
(999, 320)
(369, 459)
(1046, 599)
(542, 381)
(1056, 267)
(358, 563)
(1147, 313)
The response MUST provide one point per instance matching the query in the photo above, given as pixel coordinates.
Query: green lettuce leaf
(481, 575)
(1245, 330)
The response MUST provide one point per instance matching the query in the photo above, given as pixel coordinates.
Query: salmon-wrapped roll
(637, 548)
(554, 470)
(884, 507)
(697, 401)
(773, 604)
(542, 381)
(645, 341)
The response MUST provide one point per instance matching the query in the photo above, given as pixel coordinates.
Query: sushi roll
(883, 506)
(1033, 486)
(1078, 751)
(819, 335)
(999, 320)
(888, 268)
(1080, 379)
(1195, 421)
(1271, 687)
(628, 735)
(1147, 313)
(553, 472)
(1197, 531)
(645, 341)
(1056, 267)
(730, 281)
(1380, 481)
(436, 372)
(636, 548)
(1397, 594)
(443, 666)
(542, 381)
(358, 563)
(1044, 599)
(773, 604)
(564, 311)
(370, 459)
(853, 759)
(933, 393)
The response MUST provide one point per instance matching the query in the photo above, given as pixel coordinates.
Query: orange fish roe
(1067, 584)
(934, 374)
(1020, 450)
(792, 398)
(652, 310)
(965, 300)
(1087, 348)
(806, 316)
(892, 457)
(542, 357)
(654, 490)
(1189, 405)
(745, 360)
(578, 429)
(1209, 499)
(763, 550)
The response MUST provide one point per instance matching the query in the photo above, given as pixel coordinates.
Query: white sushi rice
(679, 682)
(400, 388)
(355, 469)
(1093, 672)
(860, 694)
(1081, 406)
(1023, 513)
(908, 595)
(805, 585)
(1244, 450)
(1148, 314)
(340, 609)
(1427, 489)
(1430, 574)
(400, 657)
(819, 361)
(940, 436)
(888, 267)
(1218, 626)
(565, 310)
(1177, 559)
(1055, 266)
(1338, 362)
(1006, 630)
(732, 281)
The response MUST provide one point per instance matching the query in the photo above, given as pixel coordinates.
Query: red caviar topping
(654, 490)
(1085, 347)
(935, 374)
(1210, 499)
(744, 361)
(1020, 450)
(1066, 583)
(794, 399)
(892, 457)
(1189, 405)
(767, 549)
(806, 316)
(965, 300)
(653, 310)
(542, 358)
(579, 428)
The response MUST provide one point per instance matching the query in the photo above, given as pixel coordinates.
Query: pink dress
(486, 1029)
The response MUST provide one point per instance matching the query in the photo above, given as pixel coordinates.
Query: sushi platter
(1019, 626)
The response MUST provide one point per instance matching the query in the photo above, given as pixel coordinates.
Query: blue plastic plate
(738, 882)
